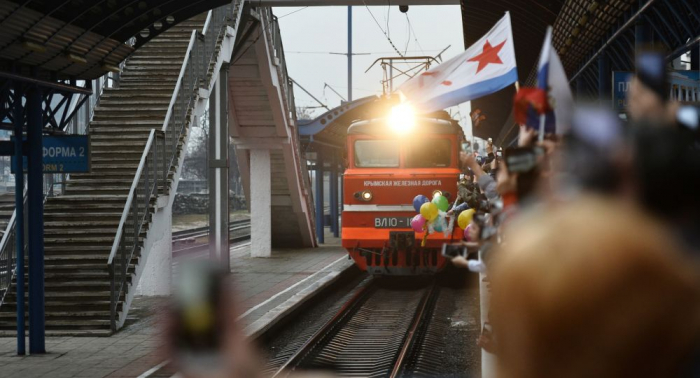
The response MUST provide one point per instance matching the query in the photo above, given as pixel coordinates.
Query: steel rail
(410, 339)
(203, 231)
(325, 335)
(326, 329)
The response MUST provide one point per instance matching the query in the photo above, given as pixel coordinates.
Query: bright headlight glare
(437, 193)
(402, 119)
(367, 195)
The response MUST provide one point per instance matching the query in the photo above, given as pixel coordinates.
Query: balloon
(418, 201)
(465, 217)
(417, 223)
(466, 232)
(437, 225)
(441, 202)
(429, 211)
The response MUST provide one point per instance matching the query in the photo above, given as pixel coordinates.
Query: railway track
(379, 331)
(184, 242)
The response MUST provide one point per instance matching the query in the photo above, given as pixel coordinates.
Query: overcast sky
(311, 34)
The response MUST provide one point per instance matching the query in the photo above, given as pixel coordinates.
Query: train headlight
(402, 119)
(437, 193)
(365, 195)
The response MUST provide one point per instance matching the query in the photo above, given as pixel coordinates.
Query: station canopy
(83, 39)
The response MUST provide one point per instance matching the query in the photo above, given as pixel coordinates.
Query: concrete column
(260, 203)
(218, 171)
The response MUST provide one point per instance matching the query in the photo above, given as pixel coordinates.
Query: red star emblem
(423, 75)
(488, 55)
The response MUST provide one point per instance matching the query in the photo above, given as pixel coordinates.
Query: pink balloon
(466, 232)
(417, 223)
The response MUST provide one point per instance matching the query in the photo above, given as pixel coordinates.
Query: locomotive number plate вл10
(392, 222)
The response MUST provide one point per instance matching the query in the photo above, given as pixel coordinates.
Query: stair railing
(276, 51)
(161, 154)
(8, 254)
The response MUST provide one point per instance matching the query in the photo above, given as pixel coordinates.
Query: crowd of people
(588, 242)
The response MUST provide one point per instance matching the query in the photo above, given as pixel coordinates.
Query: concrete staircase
(262, 114)
(80, 225)
(7, 207)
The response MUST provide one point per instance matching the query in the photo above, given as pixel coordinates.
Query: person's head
(648, 92)
(643, 103)
(592, 289)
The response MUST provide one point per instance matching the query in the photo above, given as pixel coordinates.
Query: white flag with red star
(484, 68)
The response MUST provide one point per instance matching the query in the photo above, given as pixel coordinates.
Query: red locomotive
(390, 161)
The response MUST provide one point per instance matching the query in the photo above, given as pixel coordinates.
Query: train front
(391, 161)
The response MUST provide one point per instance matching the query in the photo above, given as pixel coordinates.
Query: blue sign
(63, 154)
(621, 84)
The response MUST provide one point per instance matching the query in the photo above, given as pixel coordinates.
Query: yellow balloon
(465, 217)
(429, 211)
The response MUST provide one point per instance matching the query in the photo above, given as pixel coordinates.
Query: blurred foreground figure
(203, 337)
(593, 289)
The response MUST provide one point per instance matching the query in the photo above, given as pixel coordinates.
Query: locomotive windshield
(427, 153)
(377, 153)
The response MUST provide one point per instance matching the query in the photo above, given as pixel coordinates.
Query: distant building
(685, 86)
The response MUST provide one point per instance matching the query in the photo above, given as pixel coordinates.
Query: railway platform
(266, 290)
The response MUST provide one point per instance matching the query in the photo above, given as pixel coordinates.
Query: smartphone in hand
(453, 250)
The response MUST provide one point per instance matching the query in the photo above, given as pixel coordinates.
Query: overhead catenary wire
(382, 29)
(309, 93)
(291, 13)
(415, 36)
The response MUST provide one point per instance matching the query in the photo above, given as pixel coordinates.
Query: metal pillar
(349, 53)
(19, 216)
(604, 79)
(642, 32)
(218, 171)
(35, 198)
(260, 203)
(334, 196)
(580, 88)
(319, 198)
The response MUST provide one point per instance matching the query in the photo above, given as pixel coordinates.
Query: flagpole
(541, 133)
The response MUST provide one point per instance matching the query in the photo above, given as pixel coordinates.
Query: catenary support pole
(19, 215)
(35, 199)
(319, 197)
(349, 53)
(218, 171)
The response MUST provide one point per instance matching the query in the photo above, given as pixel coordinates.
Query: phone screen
(466, 147)
(454, 250)
(520, 159)
(199, 325)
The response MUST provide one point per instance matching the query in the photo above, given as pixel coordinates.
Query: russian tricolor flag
(551, 78)
(484, 68)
